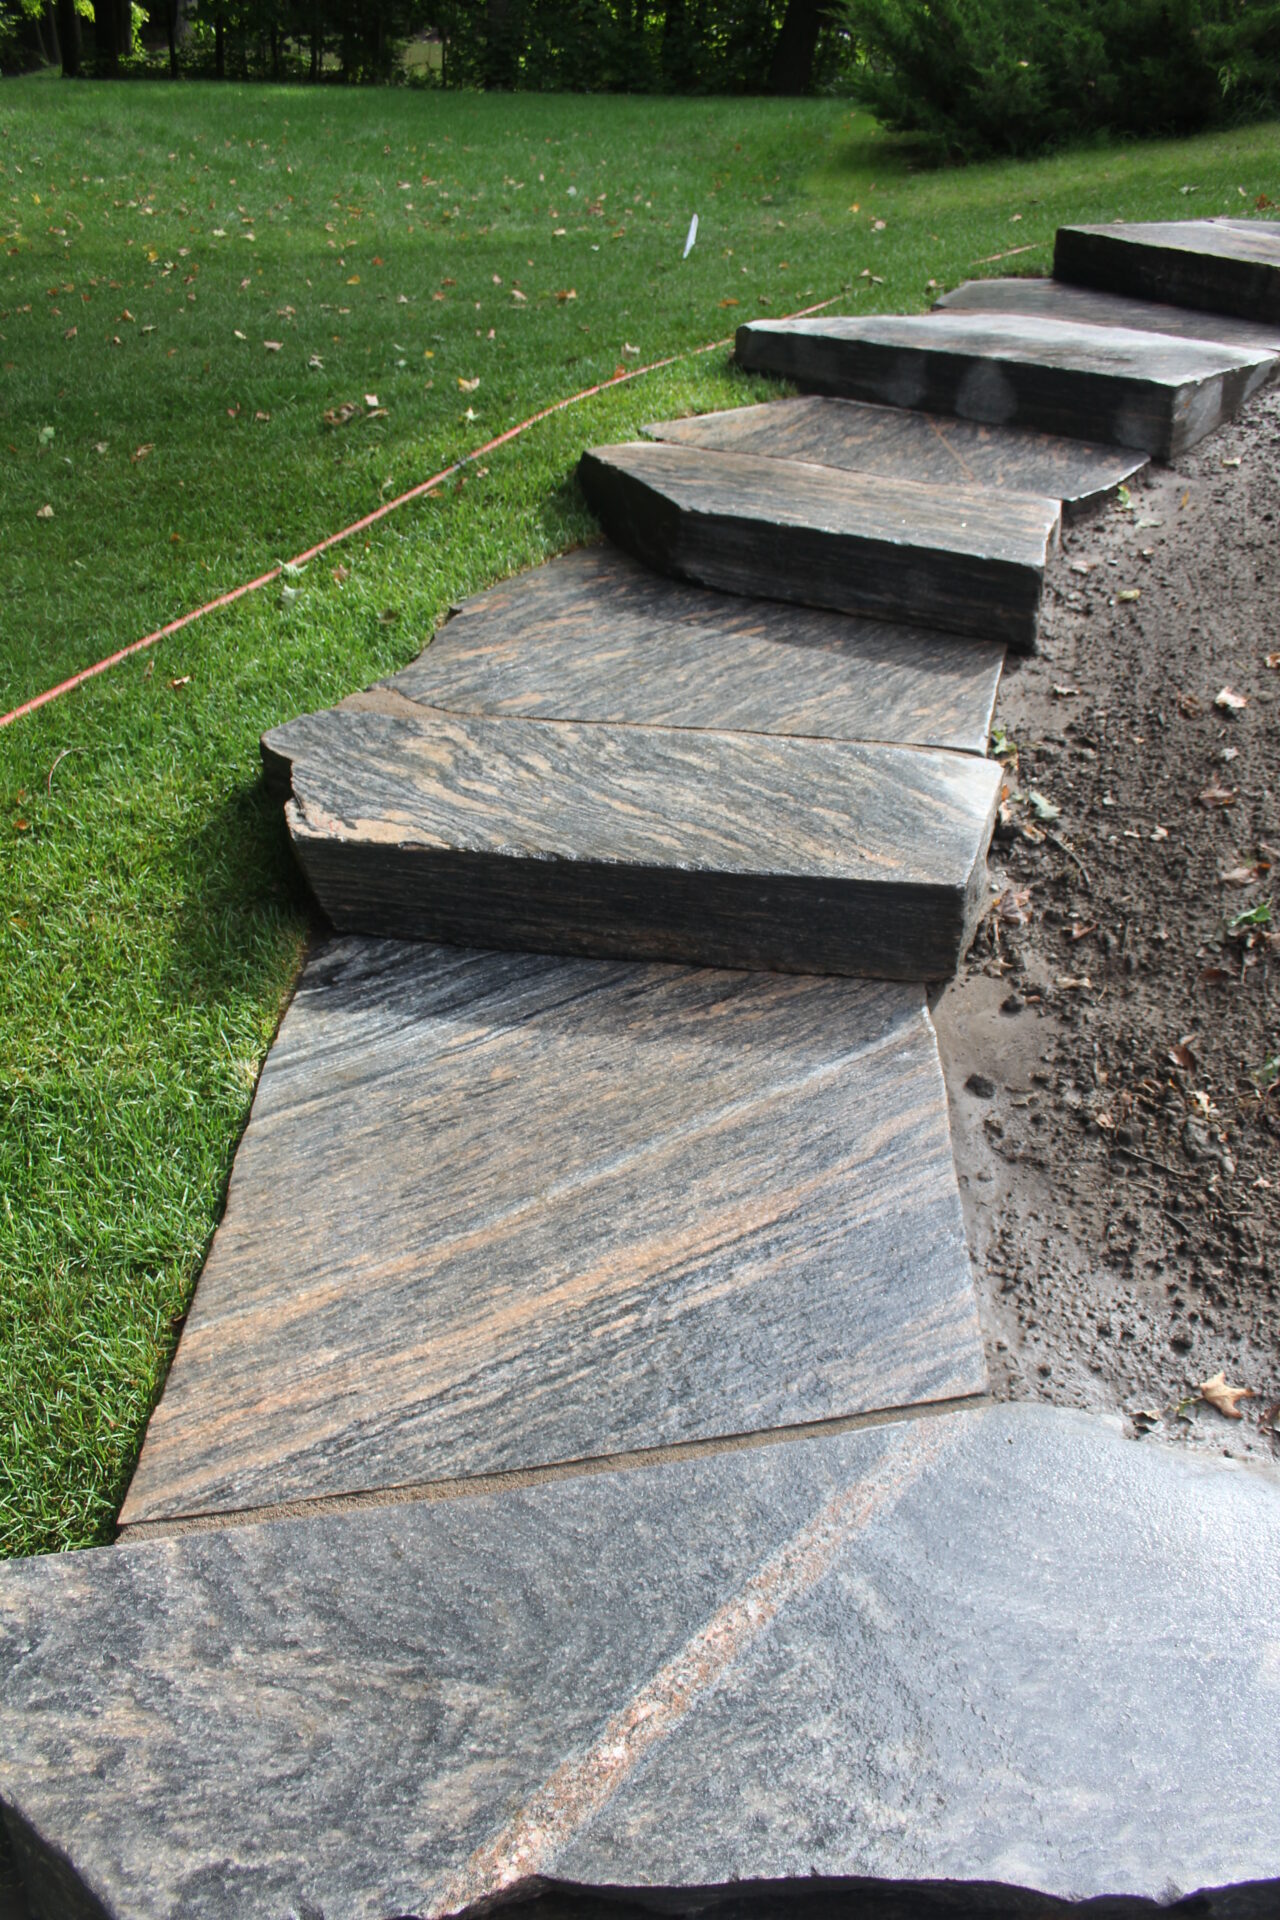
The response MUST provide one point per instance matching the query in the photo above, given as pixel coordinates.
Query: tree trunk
(171, 22)
(791, 70)
(124, 27)
(219, 46)
(501, 53)
(69, 37)
(106, 54)
(674, 47)
(317, 52)
(275, 51)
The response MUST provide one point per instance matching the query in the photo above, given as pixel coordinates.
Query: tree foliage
(973, 77)
(635, 46)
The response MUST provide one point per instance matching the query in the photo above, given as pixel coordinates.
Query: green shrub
(972, 77)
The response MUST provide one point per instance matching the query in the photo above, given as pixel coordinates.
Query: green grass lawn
(466, 260)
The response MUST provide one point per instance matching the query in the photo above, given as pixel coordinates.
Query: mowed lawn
(190, 278)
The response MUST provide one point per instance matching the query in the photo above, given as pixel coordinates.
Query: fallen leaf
(1230, 701)
(371, 400)
(70, 333)
(468, 386)
(1245, 876)
(1188, 706)
(1075, 983)
(1159, 833)
(260, 415)
(567, 293)
(730, 303)
(1216, 977)
(315, 362)
(518, 297)
(1223, 1397)
(44, 513)
(1065, 693)
(1182, 1056)
(341, 573)
(1012, 905)
(1129, 593)
(100, 446)
(141, 453)
(1217, 797)
(183, 680)
(1044, 809)
(273, 346)
(239, 335)
(339, 416)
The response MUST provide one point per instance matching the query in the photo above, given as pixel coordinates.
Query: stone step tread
(904, 445)
(594, 636)
(733, 849)
(1226, 266)
(1118, 385)
(959, 559)
(494, 1212)
(1058, 300)
(973, 1648)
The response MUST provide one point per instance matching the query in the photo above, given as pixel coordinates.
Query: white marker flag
(693, 234)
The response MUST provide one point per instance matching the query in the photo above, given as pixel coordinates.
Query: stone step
(1110, 384)
(1224, 266)
(593, 636)
(720, 849)
(494, 1212)
(1008, 1649)
(1057, 300)
(901, 445)
(959, 559)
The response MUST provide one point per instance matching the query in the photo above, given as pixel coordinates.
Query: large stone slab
(1058, 300)
(902, 445)
(1226, 266)
(955, 558)
(728, 849)
(497, 1211)
(595, 636)
(1111, 384)
(1005, 1647)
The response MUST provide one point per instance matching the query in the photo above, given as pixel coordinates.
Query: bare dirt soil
(1110, 1043)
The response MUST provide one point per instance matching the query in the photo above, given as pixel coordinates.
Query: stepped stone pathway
(721, 849)
(921, 447)
(1227, 266)
(576, 1470)
(955, 558)
(1056, 300)
(594, 636)
(1006, 1647)
(1114, 384)
(620, 1207)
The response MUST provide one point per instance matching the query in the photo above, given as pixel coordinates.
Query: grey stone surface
(495, 1211)
(952, 559)
(594, 636)
(1117, 385)
(1059, 300)
(1005, 1647)
(898, 444)
(1226, 266)
(647, 843)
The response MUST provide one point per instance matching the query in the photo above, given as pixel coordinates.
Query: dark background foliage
(633, 46)
(974, 77)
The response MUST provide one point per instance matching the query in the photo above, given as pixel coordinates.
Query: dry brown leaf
(468, 386)
(1223, 1397)
(1230, 701)
(1182, 1056)
(1217, 797)
(141, 453)
(1244, 876)
(567, 293)
(44, 513)
(1216, 977)
(341, 573)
